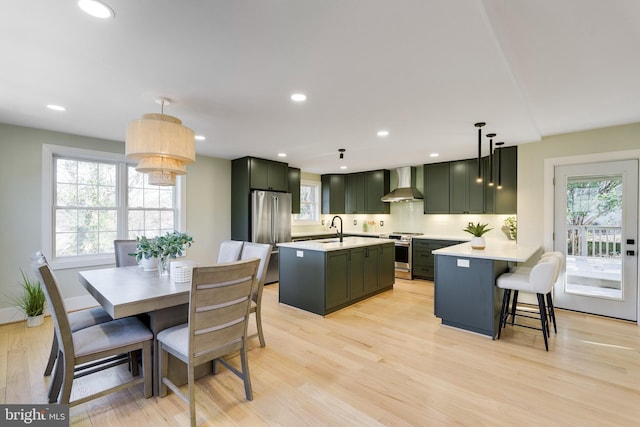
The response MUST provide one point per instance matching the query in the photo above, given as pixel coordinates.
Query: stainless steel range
(403, 252)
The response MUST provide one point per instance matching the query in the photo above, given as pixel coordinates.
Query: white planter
(33, 321)
(150, 264)
(478, 243)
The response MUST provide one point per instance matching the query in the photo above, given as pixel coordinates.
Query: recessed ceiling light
(200, 138)
(434, 155)
(299, 97)
(343, 167)
(96, 9)
(282, 154)
(383, 133)
(56, 107)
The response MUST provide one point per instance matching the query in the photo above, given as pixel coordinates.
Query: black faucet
(333, 226)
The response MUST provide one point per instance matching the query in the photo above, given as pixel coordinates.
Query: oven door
(403, 256)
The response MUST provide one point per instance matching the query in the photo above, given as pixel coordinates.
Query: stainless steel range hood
(406, 190)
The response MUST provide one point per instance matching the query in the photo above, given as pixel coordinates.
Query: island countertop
(499, 250)
(333, 244)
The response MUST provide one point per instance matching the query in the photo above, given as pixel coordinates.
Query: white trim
(47, 204)
(549, 173)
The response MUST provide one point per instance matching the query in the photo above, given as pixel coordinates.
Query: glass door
(596, 221)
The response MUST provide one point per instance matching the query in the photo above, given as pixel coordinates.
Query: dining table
(157, 300)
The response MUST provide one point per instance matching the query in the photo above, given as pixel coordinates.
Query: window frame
(317, 203)
(49, 154)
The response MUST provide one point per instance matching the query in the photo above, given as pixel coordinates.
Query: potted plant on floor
(477, 231)
(32, 301)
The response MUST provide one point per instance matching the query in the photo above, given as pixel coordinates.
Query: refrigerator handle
(275, 218)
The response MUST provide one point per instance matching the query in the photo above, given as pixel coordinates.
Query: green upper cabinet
(294, 189)
(333, 193)
(268, 175)
(506, 198)
(451, 187)
(354, 193)
(436, 188)
(466, 194)
(377, 185)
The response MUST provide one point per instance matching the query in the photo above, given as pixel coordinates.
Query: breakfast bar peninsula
(322, 276)
(466, 295)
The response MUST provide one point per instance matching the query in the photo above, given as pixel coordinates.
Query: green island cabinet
(423, 259)
(325, 281)
(451, 187)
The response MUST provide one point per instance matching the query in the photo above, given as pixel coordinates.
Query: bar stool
(539, 281)
(526, 270)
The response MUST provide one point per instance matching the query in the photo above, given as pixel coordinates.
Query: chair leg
(513, 307)
(67, 379)
(164, 369)
(259, 326)
(245, 372)
(552, 312)
(133, 363)
(147, 369)
(504, 311)
(56, 381)
(192, 394)
(543, 320)
(52, 356)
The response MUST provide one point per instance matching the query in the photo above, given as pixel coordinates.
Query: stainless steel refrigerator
(271, 223)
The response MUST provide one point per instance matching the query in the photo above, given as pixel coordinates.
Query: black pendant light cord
(479, 125)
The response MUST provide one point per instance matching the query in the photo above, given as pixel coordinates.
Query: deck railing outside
(593, 241)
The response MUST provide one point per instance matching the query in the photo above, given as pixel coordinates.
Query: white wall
(208, 208)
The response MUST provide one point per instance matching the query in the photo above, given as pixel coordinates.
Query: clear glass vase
(163, 266)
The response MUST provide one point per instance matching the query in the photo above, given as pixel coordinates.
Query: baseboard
(13, 314)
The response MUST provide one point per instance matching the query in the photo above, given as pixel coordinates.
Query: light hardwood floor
(384, 361)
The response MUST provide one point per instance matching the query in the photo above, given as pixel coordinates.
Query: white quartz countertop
(333, 244)
(496, 249)
(331, 232)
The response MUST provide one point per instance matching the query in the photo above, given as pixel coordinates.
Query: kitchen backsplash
(409, 217)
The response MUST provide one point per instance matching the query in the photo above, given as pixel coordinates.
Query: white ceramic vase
(150, 264)
(33, 321)
(478, 243)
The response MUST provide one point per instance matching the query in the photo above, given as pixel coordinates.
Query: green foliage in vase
(477, 230)
(170, 245)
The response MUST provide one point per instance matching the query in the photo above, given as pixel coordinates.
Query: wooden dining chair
(263, 252)
(229, 251)
(77, 320)
(218, 315)
(91, 349)
(122, 249)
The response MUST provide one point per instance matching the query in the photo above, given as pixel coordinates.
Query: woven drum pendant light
(162, 146)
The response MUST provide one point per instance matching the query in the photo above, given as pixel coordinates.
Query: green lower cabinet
(356, 273)
(386, 265)
(370, 269)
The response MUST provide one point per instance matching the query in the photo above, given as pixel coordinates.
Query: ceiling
(425, 70)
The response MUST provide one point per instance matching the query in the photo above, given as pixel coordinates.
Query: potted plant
(511, 227)
(147, 253)
(477, 231)
(171, 245)
(32, 301)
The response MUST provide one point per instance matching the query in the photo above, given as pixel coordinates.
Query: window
(96, 198)
(309, 202)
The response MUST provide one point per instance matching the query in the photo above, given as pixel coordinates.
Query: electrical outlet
(381, 223)
(323, 222)
(355, 222)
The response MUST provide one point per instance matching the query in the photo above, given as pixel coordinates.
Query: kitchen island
(466, 295)
(322, 276)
